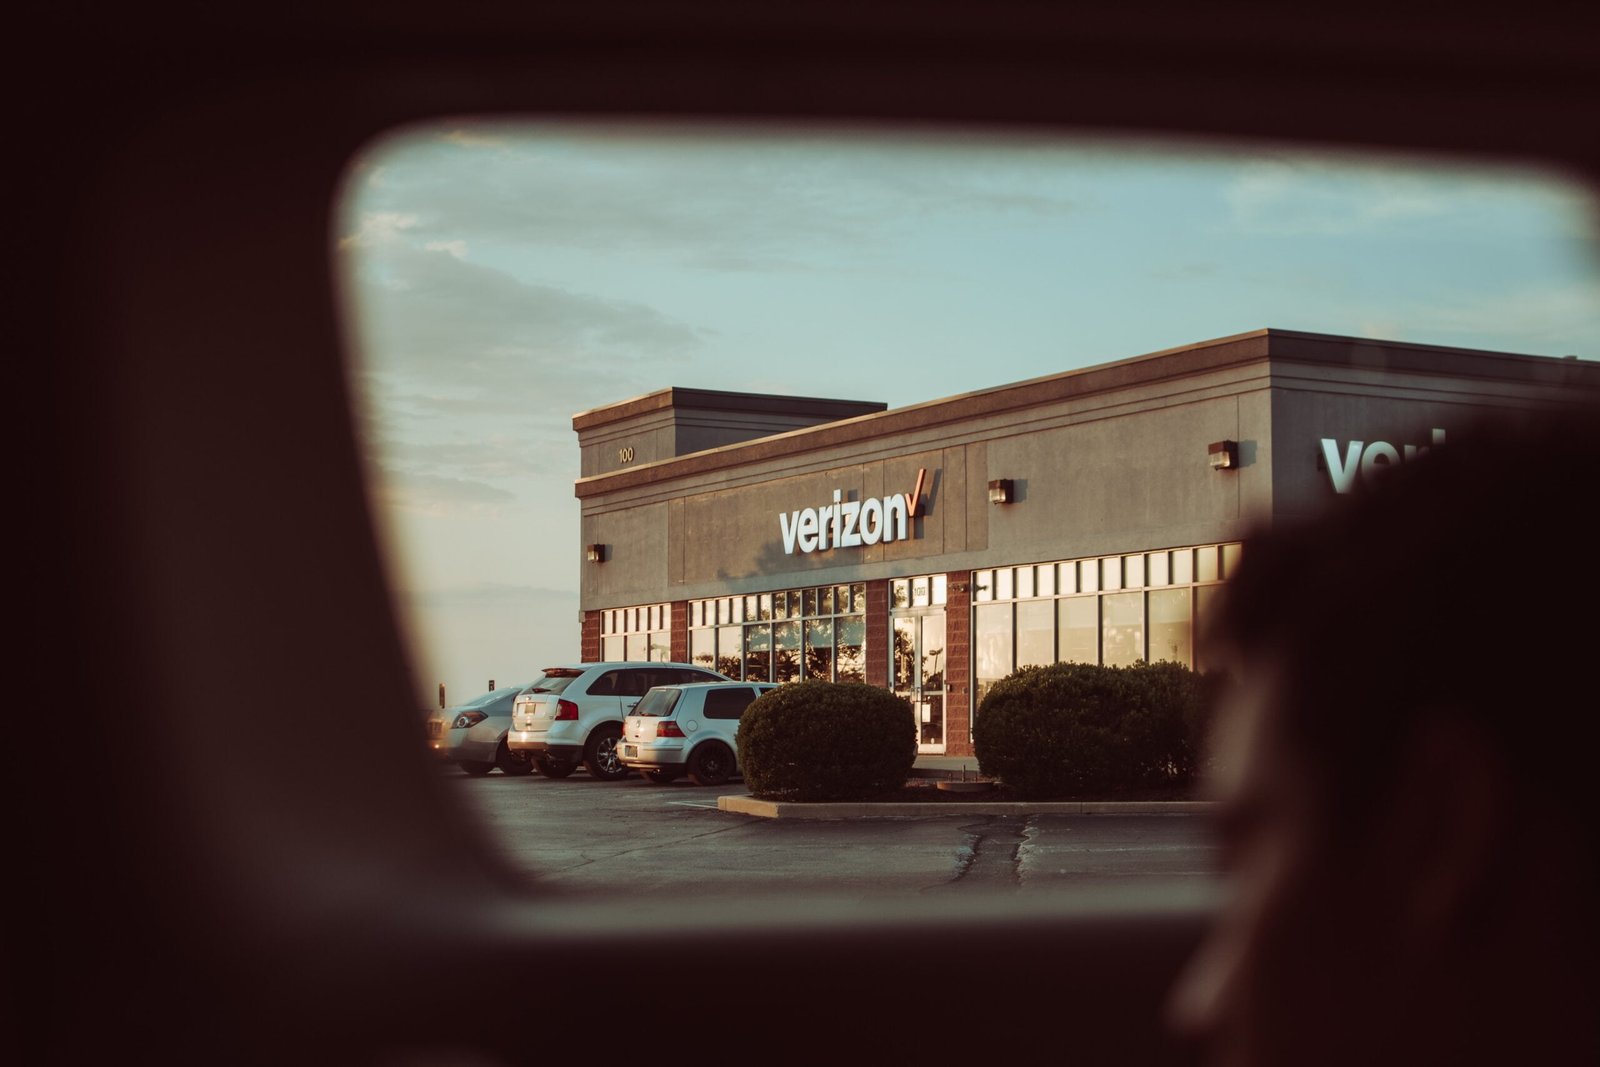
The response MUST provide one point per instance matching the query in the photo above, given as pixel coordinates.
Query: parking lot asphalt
(630, 837)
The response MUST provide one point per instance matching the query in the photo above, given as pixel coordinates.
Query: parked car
(688, 729)
(573, 714)
(473, 735)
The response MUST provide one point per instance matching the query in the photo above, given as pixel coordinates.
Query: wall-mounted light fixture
(1001, 491)
(595, 553)
(1224, 455)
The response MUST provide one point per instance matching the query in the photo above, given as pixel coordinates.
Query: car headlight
(468, 718)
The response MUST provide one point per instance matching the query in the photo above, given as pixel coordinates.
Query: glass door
(919, 669)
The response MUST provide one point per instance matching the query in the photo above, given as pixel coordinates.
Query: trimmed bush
(826, 741)
(1072, 729)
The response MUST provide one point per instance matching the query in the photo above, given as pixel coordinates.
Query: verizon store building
(1086, 516)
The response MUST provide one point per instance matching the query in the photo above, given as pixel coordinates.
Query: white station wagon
(688, 729)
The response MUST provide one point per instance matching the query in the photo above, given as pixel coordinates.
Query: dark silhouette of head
(1405, 782)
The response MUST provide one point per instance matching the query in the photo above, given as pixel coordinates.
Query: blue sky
(499, 278)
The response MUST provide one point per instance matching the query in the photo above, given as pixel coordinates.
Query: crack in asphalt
(992, 855)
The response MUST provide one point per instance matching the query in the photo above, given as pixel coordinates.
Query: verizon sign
(1360, 458)
(851, 523)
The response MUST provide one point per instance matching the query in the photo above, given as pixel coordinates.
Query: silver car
(473, 735)
(574, 713)
(688, 729)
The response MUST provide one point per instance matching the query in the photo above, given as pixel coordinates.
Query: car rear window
(728, 703)
(554, 680)
(658, 702)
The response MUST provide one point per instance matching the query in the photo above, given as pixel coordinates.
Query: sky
(499, 278)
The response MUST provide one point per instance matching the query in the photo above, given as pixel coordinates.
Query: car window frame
(165, 602)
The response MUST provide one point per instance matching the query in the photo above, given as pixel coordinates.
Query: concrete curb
(772, 809)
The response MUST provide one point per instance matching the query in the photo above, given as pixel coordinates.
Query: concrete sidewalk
(956, 768)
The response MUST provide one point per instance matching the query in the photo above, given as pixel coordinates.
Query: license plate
(630, 750)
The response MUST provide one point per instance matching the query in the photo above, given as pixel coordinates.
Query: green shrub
(1072, 729)
(826, 741)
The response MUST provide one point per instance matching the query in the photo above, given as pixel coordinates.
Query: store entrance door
(919, 664)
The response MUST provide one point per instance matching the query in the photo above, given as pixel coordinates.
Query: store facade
(933, 549)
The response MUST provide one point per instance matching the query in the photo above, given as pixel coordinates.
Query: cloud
(456, 248)
(1304, 197)
(470, 339)
(470, 376)
(424, 494)
(729, 201)
(1564, 319)
(379, 228)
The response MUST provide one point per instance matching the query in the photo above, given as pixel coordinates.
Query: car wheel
(474, 768)
(551, 767)
(510, 765)
(661, 777)
(600, 753)
(711, 764)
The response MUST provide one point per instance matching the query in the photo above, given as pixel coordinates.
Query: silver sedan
(473, 735)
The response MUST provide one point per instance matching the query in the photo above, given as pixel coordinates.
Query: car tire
(551, 767)
(661, 777)
(509, 765)
(600, 755)
(474, 769)
(711, 764)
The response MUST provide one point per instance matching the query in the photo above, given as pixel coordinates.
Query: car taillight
(668, 728)
(468, 718)
(566, 711)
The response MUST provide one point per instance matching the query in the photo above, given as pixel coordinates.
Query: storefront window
(758, 653)
(1080, 629)
(992, 648)
(1158, 567)
(730, 651)
(639, 632)
(1183, 566)
(1204, 599)
(1171, 626)
(851, 659)
(802, 641)
(1036, 633)
(819, 649)
(785, 651)
(703, 648)
(1024, 583)
(1122, 629)
(905, 652)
